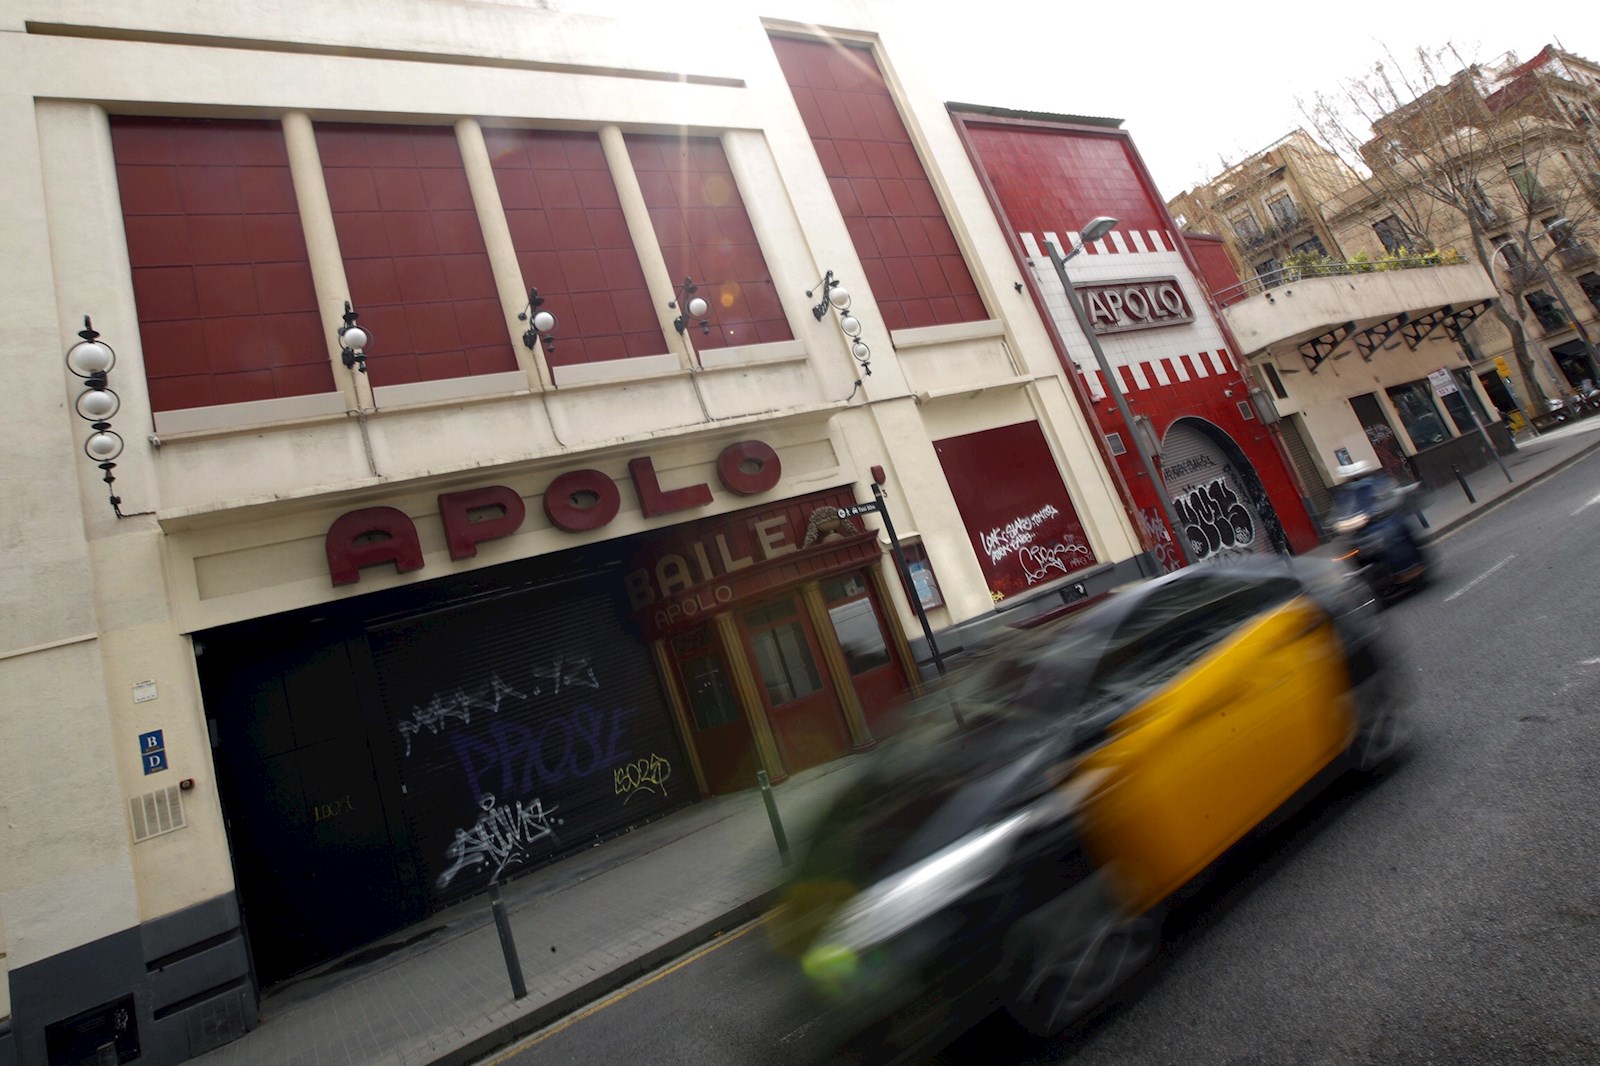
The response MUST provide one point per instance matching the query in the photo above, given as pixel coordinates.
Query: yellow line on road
(595, 1008)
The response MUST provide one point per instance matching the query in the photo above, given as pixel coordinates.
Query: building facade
(1495, 167)
(434, 423)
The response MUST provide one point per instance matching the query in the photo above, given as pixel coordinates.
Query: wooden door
(876, 672)
(807, 721)
(720, 731)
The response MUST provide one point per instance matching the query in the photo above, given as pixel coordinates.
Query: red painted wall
(1216, 271)
(227, 309)
(1023, 527)
(573, 244)
(1051, 177)
(413, 252)
(910, 256)
(705, 234)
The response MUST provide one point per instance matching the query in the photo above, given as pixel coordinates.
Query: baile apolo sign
(1120, 306)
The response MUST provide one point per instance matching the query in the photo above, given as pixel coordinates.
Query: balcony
(1275, 234)
(1576, 254)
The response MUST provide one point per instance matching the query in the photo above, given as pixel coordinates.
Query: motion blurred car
(1016, 845)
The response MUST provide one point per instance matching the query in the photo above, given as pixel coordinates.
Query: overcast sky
(1193, 86)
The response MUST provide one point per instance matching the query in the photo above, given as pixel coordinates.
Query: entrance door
(721, 730)
(875, 670)
(1383, 438)
(806, 719)
(318, 871)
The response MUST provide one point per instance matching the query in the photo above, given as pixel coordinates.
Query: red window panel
(573, 244)
(882, 190)
(1023, 527)
(705, 234)
(227, 309)
(414, 255)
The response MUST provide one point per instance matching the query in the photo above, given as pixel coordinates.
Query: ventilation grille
(157, 812)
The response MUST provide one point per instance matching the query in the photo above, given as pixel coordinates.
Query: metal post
(772, 815)
(1114, 386)
(1462, 481)
(905, 576)
(508, 946)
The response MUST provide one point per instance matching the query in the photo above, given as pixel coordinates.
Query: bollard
(1456, 470)
(772, 813)
(508, 946)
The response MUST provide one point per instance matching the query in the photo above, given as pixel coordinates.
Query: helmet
(1347, 471)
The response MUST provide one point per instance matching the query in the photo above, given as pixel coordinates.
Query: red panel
(423, 282)
(1024, 529)
(876, 176)
(216, 250)
(705, 234)
(572, 241)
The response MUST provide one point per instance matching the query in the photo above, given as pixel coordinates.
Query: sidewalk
(439, 993)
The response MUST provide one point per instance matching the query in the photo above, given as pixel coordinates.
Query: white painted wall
(227, 513)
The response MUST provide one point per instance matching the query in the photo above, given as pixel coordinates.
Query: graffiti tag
(511, 757)
(648, 774)
(501, 837)
(564, 670)
(1213, 519)
(1166, 549)
(1017, 533)
(1038, 560)
(458, 705)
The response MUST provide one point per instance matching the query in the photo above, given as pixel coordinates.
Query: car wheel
(1064, 971)
(1380, 737)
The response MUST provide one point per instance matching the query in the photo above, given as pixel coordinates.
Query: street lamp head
(1098, 227)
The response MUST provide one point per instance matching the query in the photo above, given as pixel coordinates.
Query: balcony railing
(1576, 254)
(1274, 234)
(1328, 269)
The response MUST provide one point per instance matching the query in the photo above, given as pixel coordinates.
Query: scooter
(1384, 546)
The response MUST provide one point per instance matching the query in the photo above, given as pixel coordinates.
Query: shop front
(383, 756)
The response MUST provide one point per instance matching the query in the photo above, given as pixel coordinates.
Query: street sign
(1443, 384)
(152, 750)
(859, 508)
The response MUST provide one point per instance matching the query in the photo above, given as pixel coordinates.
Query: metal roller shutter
(523, 726)
(1210, 498)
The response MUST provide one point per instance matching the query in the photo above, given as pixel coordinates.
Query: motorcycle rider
(1365, 488)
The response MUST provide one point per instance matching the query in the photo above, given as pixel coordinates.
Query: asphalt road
(1447, 911)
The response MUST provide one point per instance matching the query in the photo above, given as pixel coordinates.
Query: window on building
(1275, 381)
(1464, 402)
(907, 249)
(221, 279)
(856, 623)
(782, 653)
(1270, 271)
(1546, 310)
(1413, 402)
(1246, 227)
(705, 678)
(1526, 182)
(1590, 284)
(1284, 213)
(1393, 233)
(705, 234)
(414, 253)
(1559, 231)
(1312, 248)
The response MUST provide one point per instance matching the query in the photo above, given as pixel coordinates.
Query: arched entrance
(1218, 498)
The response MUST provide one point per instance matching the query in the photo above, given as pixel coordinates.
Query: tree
(1458, 152)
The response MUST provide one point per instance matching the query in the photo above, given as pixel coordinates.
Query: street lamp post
(1097, 229)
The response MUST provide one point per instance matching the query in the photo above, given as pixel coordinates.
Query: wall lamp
(353, 341)
(91, 360)
(836, 296)
(541, 323)
(696, 306)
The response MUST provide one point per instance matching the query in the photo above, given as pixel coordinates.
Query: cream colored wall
(228, 506)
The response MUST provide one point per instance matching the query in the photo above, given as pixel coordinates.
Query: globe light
(355, 338)
(544, 322)
(851, 325)
(839, 296)
(698, 307)
(103, 446)
(90, 357)
(98, 405)
(860, 350)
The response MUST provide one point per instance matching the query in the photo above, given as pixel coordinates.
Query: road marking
(616, 997)
(1585, 507)
(1586, 662)
(1470, 585)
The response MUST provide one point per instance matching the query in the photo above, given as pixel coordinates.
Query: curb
(604, 984)
(1436, 532)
